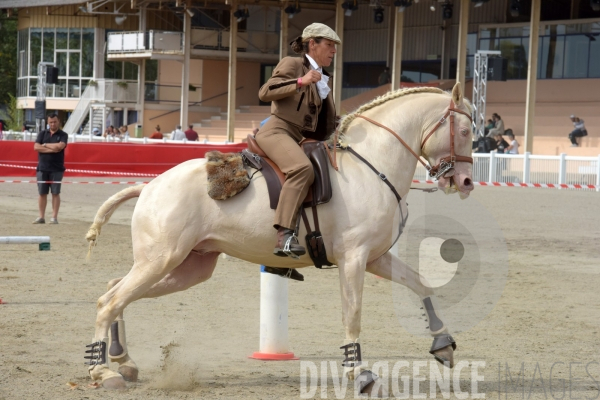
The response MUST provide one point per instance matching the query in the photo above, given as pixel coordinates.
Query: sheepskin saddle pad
(226, 173)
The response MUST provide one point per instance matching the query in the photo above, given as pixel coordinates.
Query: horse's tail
(106, 210)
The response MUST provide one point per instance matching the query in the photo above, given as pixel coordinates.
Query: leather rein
(446, 164)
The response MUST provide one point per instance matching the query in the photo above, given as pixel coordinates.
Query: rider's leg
(299, 175)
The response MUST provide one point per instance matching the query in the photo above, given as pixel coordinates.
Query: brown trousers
(279, 141)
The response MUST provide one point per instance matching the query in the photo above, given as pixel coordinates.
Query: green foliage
(8, 58)
(15, 115)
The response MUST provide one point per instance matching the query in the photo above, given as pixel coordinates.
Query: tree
(15, 115)
(8, 58)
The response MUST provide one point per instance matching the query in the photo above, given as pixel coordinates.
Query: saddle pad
(226, 174)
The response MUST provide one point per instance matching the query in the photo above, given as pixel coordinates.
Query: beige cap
(320, 30)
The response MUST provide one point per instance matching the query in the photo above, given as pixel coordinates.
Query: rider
(301, 107)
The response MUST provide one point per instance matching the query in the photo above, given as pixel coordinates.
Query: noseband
(446, 165)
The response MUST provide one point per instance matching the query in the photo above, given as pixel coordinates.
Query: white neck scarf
(322, 86)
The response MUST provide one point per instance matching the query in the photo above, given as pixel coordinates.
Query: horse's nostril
(468, 182)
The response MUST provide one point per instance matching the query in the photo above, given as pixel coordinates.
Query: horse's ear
(457, 94)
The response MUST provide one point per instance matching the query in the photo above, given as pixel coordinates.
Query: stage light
(292, 10)
(402, 4)
(349, 6)
(378, 15)
(120, 19)
(515, 8)
(241, 14)
(447, 11)
(595, 4)
(83, 9)
(479, 3)
(190, 12)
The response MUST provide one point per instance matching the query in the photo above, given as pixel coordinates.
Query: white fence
(491, 167)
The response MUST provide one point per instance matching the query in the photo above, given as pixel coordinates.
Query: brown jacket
(298, 107)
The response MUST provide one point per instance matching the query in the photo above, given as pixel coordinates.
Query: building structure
(133, 53)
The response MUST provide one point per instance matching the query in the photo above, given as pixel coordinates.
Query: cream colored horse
(178, 231)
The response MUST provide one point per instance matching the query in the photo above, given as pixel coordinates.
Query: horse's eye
(464, 131)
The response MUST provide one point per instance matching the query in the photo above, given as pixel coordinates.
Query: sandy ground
(195, 344)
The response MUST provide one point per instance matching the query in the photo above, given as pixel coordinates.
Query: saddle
(319, 193)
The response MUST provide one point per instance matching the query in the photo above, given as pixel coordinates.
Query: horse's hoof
(130, 374)
(445, 356)
(114, 383)
(375, 392)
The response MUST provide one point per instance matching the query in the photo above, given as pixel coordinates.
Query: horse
(178, 231)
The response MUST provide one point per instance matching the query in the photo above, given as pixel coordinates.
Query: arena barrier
(274, 344)
(42, 241)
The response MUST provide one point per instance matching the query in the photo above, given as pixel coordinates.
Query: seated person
(488, 126)
(110, 131)
(501, 144)
(579, 130)
(156, 134)
(498, 128)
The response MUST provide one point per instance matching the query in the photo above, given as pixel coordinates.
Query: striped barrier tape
(85, 171)
(78, 182)
(533, 185)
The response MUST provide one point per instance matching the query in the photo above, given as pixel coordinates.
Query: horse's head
(447, 146)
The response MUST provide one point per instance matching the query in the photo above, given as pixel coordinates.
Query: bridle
(445, 167)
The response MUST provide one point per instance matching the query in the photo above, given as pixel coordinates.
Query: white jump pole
(274, 344)
(43, 241)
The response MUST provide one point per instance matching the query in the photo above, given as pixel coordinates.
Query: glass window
(62, 38)
(61, 88)
(131, 71)
(74, 38)
(113, 70)
(576, 56)
(48, 55)
(74, 58)
(595, 58)
(35, 50)
(74, 88)
(61, 63)
(471, 43)
(87, 53)
(553, 57)
(33, 87)
(151, 70)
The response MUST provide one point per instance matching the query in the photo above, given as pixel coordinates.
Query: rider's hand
(311, 77)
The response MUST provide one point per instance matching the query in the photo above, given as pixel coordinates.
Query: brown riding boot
(287, 244)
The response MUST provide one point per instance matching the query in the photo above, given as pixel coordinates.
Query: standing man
(191, 134)
(177, 134)
(50, 145)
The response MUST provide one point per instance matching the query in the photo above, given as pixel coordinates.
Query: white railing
(79, 113)
(527, 168)
(135, 42)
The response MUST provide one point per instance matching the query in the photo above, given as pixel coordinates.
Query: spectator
(96, 132)
(123, 132)
(50, 145)
(191, 134)
(501, 144)
(384, 77)
(110, 131)
(490, 125)
(156, 134)
(513, 147)
(498, 128)
(177, 134)
(579, 130)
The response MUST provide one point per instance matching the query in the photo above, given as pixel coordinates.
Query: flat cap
(320, 30)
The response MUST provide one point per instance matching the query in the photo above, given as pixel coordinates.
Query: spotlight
(432, 7)
(447, 11)
(378, 15)
(120, 19)
(190, 12)
(349, 6)
(479, 3)
(402, 4)
(83, 9)
(595, 4)
(241, 14)
(292, 10)
(515, 8)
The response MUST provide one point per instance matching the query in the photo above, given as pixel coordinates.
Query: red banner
(106, 159)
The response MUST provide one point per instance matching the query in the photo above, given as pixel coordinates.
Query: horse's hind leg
(195, 269)
(392, 268)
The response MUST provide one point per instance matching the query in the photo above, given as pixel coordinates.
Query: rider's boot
(289, 273)
(287, 244)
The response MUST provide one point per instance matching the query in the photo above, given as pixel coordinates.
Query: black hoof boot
(289, 273)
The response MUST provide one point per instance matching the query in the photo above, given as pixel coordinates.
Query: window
(362, 75)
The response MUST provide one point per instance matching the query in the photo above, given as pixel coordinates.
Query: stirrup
(286, 247)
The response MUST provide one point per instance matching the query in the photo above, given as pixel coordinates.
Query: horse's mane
(381, 100)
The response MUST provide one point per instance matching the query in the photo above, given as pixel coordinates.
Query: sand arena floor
(195, 344)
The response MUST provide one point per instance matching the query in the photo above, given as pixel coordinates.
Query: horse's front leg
(352, 277)
(392, 268)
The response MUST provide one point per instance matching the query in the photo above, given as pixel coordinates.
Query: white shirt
(322, 87)
(579, 124)
(177, 135)
(515, 147)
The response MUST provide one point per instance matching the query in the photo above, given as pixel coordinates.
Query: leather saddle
(320, 191)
